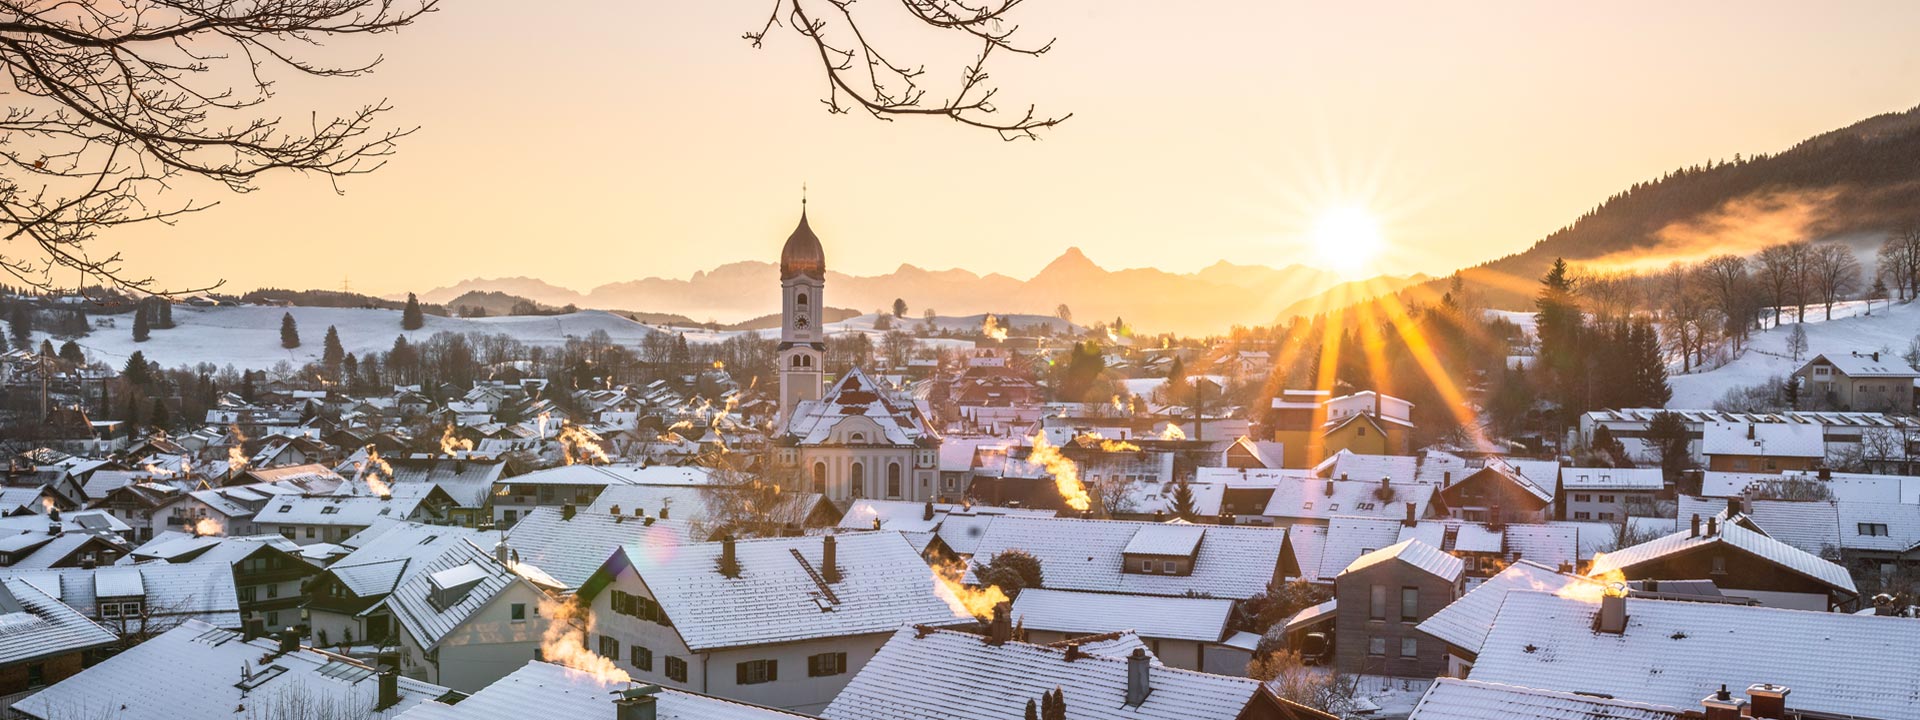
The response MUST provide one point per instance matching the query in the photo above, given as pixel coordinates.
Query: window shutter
(739, 673)
(773, 670)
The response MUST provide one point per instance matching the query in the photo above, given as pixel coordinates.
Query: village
(946, 528)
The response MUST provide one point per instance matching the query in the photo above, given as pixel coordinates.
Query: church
(857, 439)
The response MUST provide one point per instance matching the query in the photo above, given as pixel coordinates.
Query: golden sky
(594, 141)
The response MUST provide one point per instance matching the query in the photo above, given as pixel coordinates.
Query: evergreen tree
(4, 345)
(159, 418)
(289, 332)
(136, 372)
(1032, 712)
(411, 318)
(1792, 392)
(106, 403)
(70, 351)
(1053, 705)
(331, 354)
(141, 330)
(1651, 375)
(1183, 501)
(132, 416)
(1559, 324)
(1176, 370)
(21, 323)
(164, 320)
(1668, 433)
(46, 348)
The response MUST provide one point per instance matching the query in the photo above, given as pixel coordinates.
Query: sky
(597, 141)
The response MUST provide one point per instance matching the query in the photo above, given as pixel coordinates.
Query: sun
(1348, 239)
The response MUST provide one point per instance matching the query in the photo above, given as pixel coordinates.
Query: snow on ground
(1887, 330)
(249, 337)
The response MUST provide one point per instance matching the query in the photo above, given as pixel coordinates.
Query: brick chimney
(1750, 431)
(1696, 526)
(1000, 629)
(1139, 682)
(829, 557)
(1722, 706)
(289, 640)
(1329, 487)
(566, 511)
(1769, 701)
(389, 679)
(729, 558)
(1411, 520)
(636, 703)
(927, 512)
(1713, 525)
(663, 512)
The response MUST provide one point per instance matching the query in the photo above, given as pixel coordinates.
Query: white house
(465, 620)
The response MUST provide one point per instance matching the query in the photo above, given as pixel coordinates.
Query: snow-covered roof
(1231, 561)
(778, 596)
(1348, 538)
(1732, 535)
(462, 566)
(338, 510)
(943, 675)
(615, 475)
(1422, 556)
(1675, 653)
(197, 679)
(1868, 365)
(1770, 439)
(1464, 623)
(1298, 495)
(1549, 544)
(1456, 699)
(895, 421)
(1349, 465)
(540, 689)
(1082, 613)
(169, 591)
(570, 550)
(691, 503)
(396, 552)
(34, 625)
(1587, 479)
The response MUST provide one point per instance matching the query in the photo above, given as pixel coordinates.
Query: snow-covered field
(1887, 330)
(249, 337)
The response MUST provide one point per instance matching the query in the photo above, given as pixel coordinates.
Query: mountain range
(1208, 301)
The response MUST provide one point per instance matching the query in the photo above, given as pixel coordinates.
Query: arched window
(808, 359)
(800, 300)
(857, 480)
(857, 438)
(798, 360)
(820, 477)
(893, 480)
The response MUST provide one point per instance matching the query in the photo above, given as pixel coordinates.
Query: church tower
(803, 343)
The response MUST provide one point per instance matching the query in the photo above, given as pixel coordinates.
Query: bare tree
(860, 74)
(1835, 272)
(1899, 262)
(1688, 324)
(1730, 289)
(1778, 276)
(116, 100)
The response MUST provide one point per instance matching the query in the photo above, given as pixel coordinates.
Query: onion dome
(802, 254)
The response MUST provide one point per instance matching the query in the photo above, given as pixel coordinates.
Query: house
(569, 545)
(1869, 538)
(1290, 497)
(931, 674)
(1456, 699)
(344, 601)
(1843, 433)
(1461, 626)
(268, 572)
(1179, 631)
(464, 619)
(58, 548)
(45, 642)
(468, 480)
(1142, 558)
(1311, 426)
(958, 527)
(723, 618)
(134, 601)
(540, 689)
(1607, 494)
(580, 485)
(1765, 447)
(861, 440)
(1859, 381)
(189, 672)
(1503, 491)
(1676, 653)
(1740, 560)
(1246, 452)
(307, 519)
(1383, 595)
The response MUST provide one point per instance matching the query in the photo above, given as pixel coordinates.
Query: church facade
(859, 438)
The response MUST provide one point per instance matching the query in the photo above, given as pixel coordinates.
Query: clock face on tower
(800, 322)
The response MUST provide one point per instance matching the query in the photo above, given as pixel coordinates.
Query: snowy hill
(249, 337)
(1888, 330)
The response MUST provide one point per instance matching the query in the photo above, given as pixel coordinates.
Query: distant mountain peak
(1071, 262)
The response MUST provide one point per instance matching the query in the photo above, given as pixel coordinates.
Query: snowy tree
(1797, 342)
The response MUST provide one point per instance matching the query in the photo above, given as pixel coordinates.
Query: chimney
(1722, 706)
(1138, 686)
(926, 513)
(615, 510)
(1159, 515)
(252, 630)
(1713, 525)
(1876, 356)
(53, 526)
(729, 559)
(1749, 431)
(1000, 629)
(1446, 478)
(636, 703)
(53, 513)
(389, 677)
(1075, 653)
(1329, 487)
(500, 551)
(1826, 473)
(1411, 521)
(1613, 611)
(1566, 567)
(663, 512)
(876, 522)
(289, 641)
(1696, 526)
(1769, 701)
(566, 511)
(829, 555)
(1343, 476)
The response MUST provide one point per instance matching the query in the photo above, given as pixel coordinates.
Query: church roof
(899, 421)
(802, 254)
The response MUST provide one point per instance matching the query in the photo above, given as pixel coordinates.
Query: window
(519, 611)
(247, 594)
(37, 675)
(1409, 647)
(857, 478)
(1873, 529)
(800, 299)
(1720, 566)
(1377, 646)
(309, 532)
(609, 646)
(1606, 498)
(676, 669)
(273, 619)
(1377, 605)
(1582, 497)
(637, 606)
(820, 478)
(642, 658)
(1606, 516)
(273, 591)
(1167, 567)
(826, 664)
(1582, 515)
(329, 510)
(1146, 566)
(1409, 604)
(754, 672)
(893, 480)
